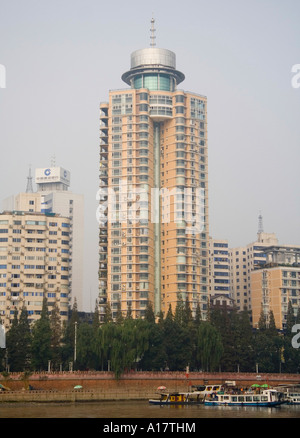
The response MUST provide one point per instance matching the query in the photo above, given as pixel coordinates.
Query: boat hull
(158, 402)
(268, 404)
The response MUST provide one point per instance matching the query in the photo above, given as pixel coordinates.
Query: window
(179, 98)
(180, 110)
(143, 96)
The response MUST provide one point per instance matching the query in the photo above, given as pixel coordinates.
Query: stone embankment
(98, 386)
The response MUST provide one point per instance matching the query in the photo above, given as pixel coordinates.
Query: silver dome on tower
(153, 68)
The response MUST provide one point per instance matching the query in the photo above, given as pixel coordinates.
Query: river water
(140, 410)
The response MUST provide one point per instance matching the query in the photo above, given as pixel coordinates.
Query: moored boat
(291, 393)
(207, 389)
(195, 396)
(178, 398)
(268, 397)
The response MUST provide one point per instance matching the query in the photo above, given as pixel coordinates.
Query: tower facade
(53, 187)
(153, 197)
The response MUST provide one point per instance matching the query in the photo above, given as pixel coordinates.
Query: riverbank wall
(97, 386)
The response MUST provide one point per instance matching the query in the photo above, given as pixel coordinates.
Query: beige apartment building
(34, 263)
(277, 284)
(153, 209)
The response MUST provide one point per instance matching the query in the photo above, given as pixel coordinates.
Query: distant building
(222, 300)
(219, 278)
(34, 263)
(276, 284)
(243, 260)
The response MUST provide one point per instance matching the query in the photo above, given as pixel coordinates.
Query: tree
(243, 340)
(154, 357)
(105, 338)
(96, 318)
(187, 314)
(68, 338)
(12, 343)
(268, 345)
(209, 346)
(56, 336)
(18, 342)
(176, 342)
(197, 318)
(119, 316)
(291, 356)
(222, 318)
(25, 339)
(107, 315)
(179, 311)
(85, 347)
(41, 341)
(149, 313)
(262, 323)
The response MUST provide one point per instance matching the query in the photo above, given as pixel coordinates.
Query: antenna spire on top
(29, 187)
(53, 160)
(153, 30)
(260, 223)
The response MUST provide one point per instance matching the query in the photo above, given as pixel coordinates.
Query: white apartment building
(34, 263)
(53, 196)
(219, 274)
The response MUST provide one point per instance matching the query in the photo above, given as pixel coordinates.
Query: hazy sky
(62, 57)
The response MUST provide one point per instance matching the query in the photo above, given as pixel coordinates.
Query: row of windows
(36, 294)
(40, 223)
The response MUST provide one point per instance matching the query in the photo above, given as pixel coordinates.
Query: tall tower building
(153, 211)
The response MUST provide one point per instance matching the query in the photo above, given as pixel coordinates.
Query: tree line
(225, 342)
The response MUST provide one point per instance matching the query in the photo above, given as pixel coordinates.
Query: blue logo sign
(47, 172)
